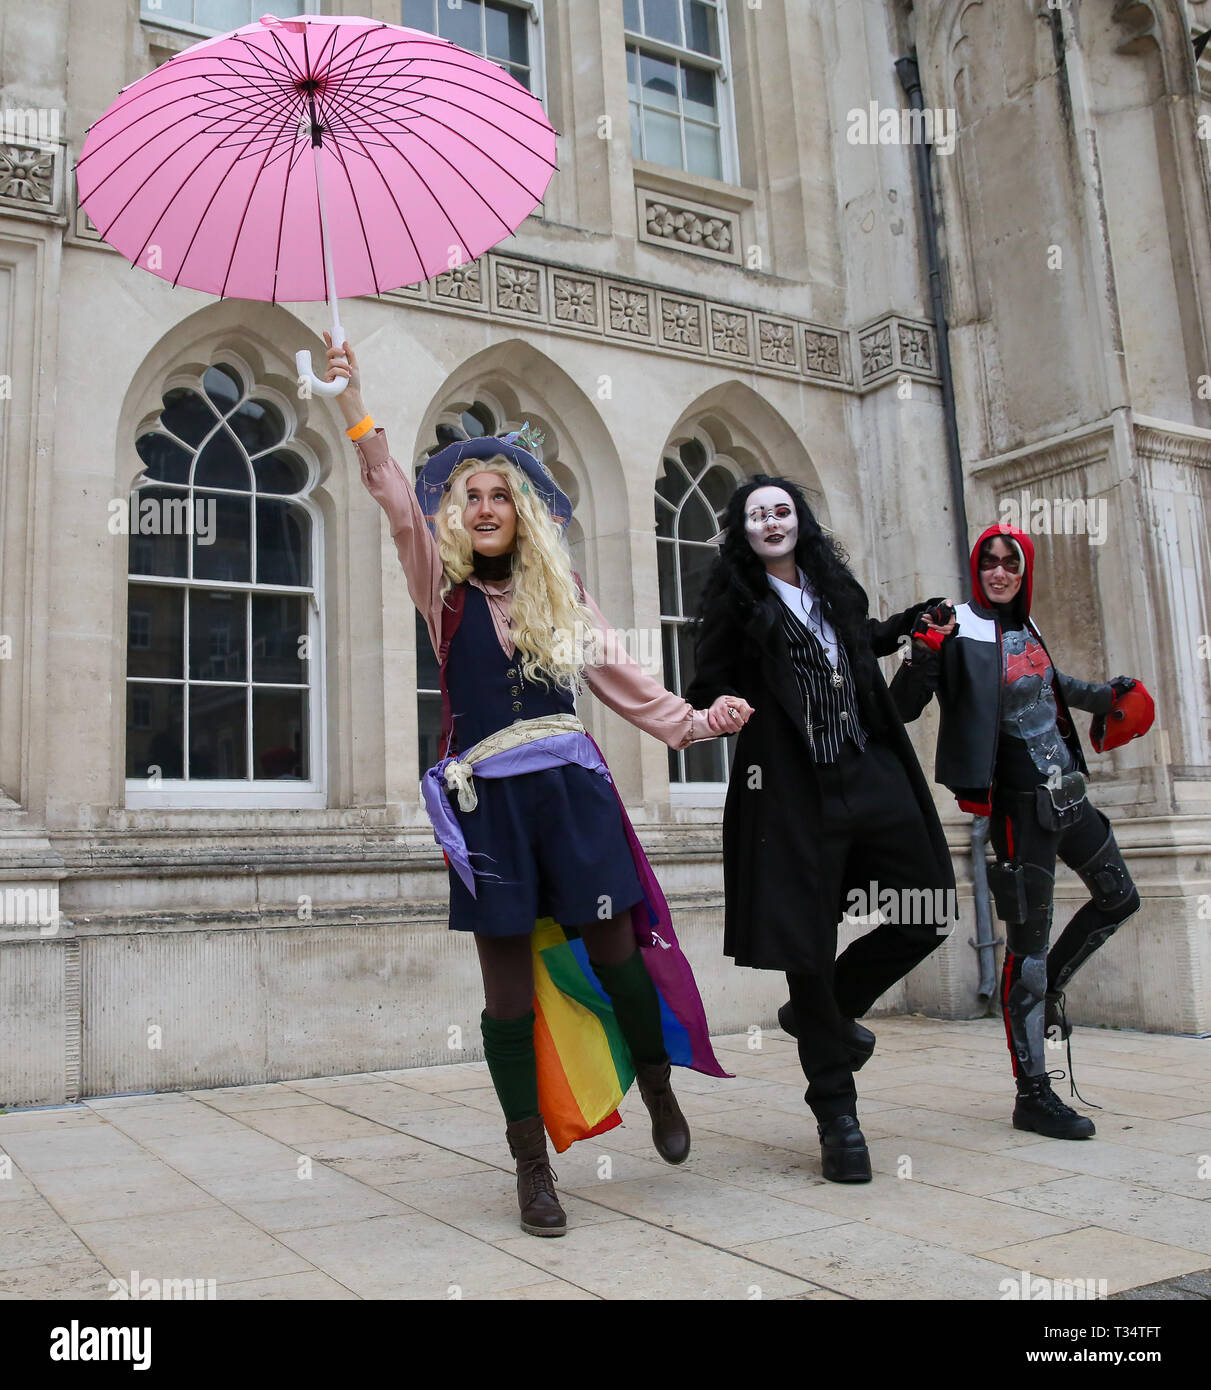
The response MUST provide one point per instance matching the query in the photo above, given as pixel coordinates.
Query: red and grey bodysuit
(1008, 748)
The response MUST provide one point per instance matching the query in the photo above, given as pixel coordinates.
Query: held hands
(933, 627)
(728, 714)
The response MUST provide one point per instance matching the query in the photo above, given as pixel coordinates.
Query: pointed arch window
(223, 618)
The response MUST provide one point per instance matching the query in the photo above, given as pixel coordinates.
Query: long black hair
(739, 576)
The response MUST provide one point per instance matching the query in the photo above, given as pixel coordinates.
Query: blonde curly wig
(551, 629)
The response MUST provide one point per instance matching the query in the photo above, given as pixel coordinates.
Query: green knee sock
(636, 1006)
(509, 1051)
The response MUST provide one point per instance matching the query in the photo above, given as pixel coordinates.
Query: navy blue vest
(484, 688)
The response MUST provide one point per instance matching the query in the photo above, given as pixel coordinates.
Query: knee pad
(1031, 985)
(1109, 883)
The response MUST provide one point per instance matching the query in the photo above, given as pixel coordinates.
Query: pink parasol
(199, 172)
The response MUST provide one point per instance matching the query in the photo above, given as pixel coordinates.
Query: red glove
(930, 636)
(975, 808)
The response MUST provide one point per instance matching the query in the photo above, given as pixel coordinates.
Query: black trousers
(873, 842)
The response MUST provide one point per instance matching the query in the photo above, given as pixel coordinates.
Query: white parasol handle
(302, 359)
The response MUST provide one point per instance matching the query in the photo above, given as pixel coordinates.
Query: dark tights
(508, 968)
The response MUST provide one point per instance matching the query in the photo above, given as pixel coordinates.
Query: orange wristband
(363, 426)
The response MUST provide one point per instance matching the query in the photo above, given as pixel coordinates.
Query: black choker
(493, 568)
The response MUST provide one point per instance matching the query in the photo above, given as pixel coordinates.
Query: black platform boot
(844, 1156)
(1039, 1109)
(541, 1214)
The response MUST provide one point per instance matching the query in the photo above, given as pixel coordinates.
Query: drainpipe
(910, 79)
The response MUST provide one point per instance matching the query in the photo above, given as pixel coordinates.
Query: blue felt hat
(435, 475)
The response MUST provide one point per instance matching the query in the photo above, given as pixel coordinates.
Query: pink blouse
(619, 682)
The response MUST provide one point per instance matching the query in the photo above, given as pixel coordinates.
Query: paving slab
(398, 1184)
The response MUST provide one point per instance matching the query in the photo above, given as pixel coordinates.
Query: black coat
(774, 918)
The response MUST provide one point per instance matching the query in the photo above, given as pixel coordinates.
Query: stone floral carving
(630, 312)
(692, 228)
(823, 352)
(777, 342)
(876, 351)
(914, 348)
(27, 173)
(729, 333)
(517, 288)
(460, 283)
(575, 300)
(680, 322)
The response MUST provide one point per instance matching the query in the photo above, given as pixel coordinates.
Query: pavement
(398, 1184)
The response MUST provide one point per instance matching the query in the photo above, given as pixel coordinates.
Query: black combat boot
(1039, 1109)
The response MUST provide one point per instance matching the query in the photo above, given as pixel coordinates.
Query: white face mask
(770, 523)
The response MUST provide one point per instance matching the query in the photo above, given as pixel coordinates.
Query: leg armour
(1024, 989)
(1114, 899)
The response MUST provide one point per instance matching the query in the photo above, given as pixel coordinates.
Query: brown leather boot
(670, 1133)
(541, 1214)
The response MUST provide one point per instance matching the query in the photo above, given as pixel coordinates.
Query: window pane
(461, 25)
(632, 74)
(703, 761)
(418, 14)
(698, 89)
(155, 631)
(505, 29)
(429, 724)
(668, 647)
(701, 27)
(696, 564)
(702, 154)
(218, 724)
(225, 14)
(697, 521)
(718, 485)
(426, 661)
(223, 387)
(158, 531)
(283, 543)
(279, 735)
(164, 461)
(222, 464)
(665, 518)
(169, 9)
(222, 543)
(280, 473)
(153, 729)
(258, 426)
(519, 74)
(278, 622)
(662, 20)
(662, 139)
(666, 565)
(671, 484)
(187, 415)
(659, 82)
(218, 636)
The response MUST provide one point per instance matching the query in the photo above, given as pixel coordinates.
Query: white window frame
(148, 15)
(722, 67)
(248, 794)
(538, 43)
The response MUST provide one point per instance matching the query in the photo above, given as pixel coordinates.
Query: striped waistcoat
(830, 711)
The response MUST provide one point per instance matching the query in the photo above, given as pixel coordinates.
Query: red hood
(1025, 545)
